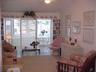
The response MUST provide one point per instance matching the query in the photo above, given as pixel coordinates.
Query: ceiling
(35, 5)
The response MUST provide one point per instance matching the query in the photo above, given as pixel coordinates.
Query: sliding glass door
(8, 22)
(28, 32)
(22, 32)
(16, 35)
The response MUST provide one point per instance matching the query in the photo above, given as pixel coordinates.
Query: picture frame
(67, 20)
(88, 35)
(76, 26)
(89, 18)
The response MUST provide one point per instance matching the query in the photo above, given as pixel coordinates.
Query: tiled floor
(44, 62)
(39, 64)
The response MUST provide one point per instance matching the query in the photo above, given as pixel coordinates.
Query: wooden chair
(71, 66)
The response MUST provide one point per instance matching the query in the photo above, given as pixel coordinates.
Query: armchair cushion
(8, 47)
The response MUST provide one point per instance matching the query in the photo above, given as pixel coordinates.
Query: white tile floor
(45, 62)
(39, 64)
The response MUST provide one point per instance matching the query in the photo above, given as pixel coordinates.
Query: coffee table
(30, 50)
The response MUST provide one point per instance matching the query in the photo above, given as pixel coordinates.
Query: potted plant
(29, 14)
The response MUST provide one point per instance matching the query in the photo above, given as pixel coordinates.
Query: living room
(74, 20)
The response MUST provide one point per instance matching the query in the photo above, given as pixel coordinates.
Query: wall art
(89, 18)
(76, 26)
(88, 35)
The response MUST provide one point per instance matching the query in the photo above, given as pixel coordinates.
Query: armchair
(56, 45)
(86, 65)
(9, 53)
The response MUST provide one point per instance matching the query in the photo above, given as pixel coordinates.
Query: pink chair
(56, 45)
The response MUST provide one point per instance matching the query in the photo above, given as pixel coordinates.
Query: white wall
(0, 42)
(76, 9)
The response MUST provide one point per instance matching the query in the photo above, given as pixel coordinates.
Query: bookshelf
(56, 28)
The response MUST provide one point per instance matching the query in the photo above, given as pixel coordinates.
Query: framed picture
(89, 18)
(76, 26)
(67, 31)
(67, 20)
(88, 35)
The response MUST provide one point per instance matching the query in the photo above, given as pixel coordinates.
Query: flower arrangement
(72, 42)
(34, 44)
